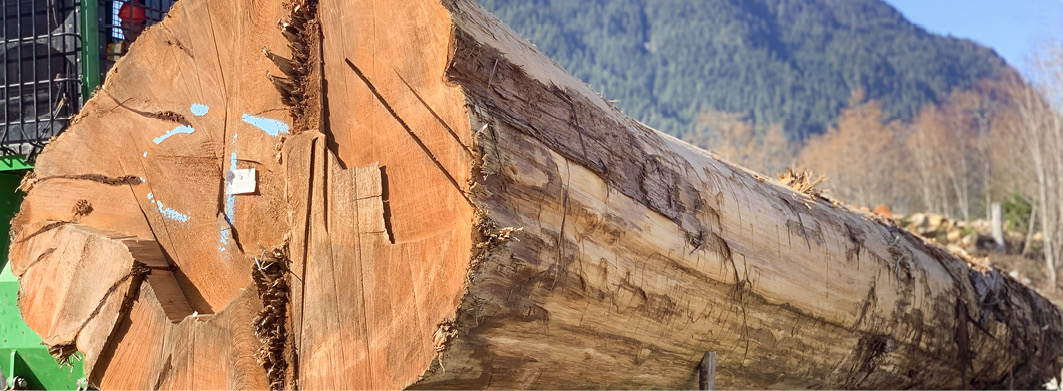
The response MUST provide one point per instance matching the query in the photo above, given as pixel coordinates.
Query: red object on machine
(132, 11)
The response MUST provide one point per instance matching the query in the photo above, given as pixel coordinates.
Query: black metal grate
(42, 82)
(112, 34)
(39, 83)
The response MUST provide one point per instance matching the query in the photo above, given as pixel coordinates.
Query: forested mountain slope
(793, 62)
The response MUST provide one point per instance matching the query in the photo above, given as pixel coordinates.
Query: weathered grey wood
(998, 226)
(707, 372)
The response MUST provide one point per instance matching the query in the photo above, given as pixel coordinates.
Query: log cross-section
(439, 205)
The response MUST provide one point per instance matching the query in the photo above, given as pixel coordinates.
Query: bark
(438, 205)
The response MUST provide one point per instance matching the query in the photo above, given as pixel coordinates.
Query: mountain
(793, 62)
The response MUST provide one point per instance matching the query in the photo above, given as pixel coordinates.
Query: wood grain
(458, 212)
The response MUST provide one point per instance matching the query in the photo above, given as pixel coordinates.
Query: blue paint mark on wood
(270, 126)
(199, 110)
(230, 200)
(183, 129)
(224, 239)
(230, 203)
(172, 214)
(168, 212)
(145, 154)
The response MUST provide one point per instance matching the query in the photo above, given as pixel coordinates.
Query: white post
(998, 226)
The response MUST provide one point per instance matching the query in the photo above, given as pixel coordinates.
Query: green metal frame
(21, 352)
(14, 163)
(90, 47)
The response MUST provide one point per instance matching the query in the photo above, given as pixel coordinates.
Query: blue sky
(1011, 27)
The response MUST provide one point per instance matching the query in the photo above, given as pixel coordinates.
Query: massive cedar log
(438, 205)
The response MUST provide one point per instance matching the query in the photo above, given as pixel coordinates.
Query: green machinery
(53, 55)
(24, 361)
(40, 88)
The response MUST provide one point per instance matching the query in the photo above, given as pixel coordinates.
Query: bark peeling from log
(130, 180)
(581, 131)
(301, 90)
(270, 274)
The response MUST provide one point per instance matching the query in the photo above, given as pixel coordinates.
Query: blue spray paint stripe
(199, 110)
(270, 126)
(168, 212)
(185, 129)
(224, 239)
(230, 202)
(172, 214)
(230, 208)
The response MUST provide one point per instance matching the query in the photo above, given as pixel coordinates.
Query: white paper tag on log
(240, 181)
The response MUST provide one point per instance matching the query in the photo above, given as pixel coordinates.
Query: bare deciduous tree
(1038, 128)
(858, 156)
(731, 137)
